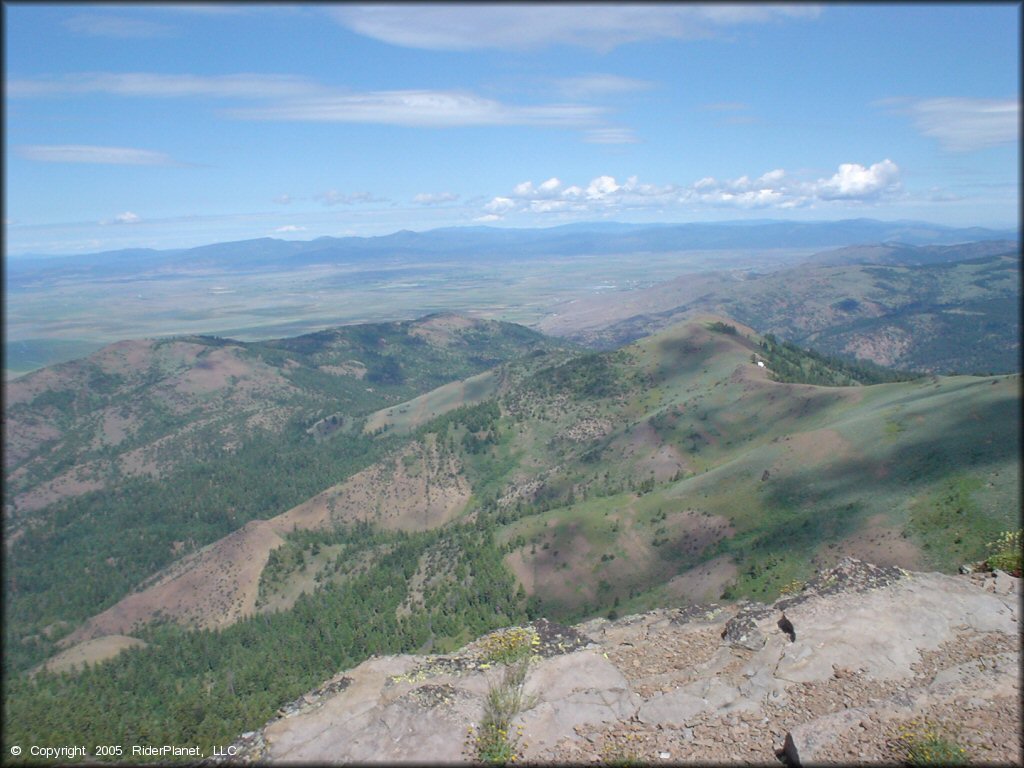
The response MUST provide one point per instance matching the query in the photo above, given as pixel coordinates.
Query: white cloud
(291, 98)
(500, 205)
(283, 199)
(603, 193)
(610, 136)
(518, 27)
(435, 198)
(546, 206)
(854, 181)
(123, 218)
(118, 27)
(419, 108)
(602, 186)
(962, 124)
(334, 197)
(585, 86)
(153, 85)
(488, 218)
(290, 228)
(81, 153)
(725, 106)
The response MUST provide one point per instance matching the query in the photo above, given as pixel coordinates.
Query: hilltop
(124, 462)
(63, 307)
(673, 469)
(936, 309)
(873, 659)
(704, 463)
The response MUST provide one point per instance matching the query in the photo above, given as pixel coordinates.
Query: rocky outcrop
(864, 657)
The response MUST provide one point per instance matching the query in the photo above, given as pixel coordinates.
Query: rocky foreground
(857, 665)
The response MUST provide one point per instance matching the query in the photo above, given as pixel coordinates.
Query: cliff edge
(854, 667)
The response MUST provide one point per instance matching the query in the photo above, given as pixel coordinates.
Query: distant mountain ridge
(904, 255)
(565, 240)
(938, 309)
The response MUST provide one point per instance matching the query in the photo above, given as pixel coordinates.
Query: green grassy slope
(672, 470)
(956, 317)
(142, 453)
(798, 474)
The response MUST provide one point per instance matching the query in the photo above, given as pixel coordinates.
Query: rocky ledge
(840, 672)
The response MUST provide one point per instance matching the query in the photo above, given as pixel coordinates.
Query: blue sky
(179, 125)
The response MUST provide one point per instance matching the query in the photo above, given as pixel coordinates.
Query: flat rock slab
(578, 689)
(694, 673)
(885, 630)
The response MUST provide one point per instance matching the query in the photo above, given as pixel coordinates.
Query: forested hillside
(673, 471)
(121, 463)
(935, 310)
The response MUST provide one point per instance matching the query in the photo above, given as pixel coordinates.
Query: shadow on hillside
(818, 504)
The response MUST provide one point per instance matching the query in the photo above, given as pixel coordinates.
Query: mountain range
(493, 242)
(181, 513)
(939, 309)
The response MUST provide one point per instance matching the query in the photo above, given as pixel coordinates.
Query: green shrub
(925, 743)
(508, 646)
(1005, 552)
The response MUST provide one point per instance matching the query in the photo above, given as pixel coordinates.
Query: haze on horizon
(180, 125)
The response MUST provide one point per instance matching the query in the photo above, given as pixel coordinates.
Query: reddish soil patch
(415, 491)
(74, 482)
(214, 372)
(349, 368)
(813, 449)
(664, 463)
(212, 588)
(219, 584)
(562, 570)
(24, 435)
(705, 582)
(114, 428)
(651, 455)
(125, 357)
(696, 531)
(886, 346)
(438, 331)
(522, 569)
(878, 542)
(90, 652)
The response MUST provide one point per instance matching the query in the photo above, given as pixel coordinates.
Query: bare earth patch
(90, 652)
(115, 427)
(560, 565)
(415, 491)
(74, 482)
(219, 584)
(126, 357)
(213, 372)
(438, 330)
(352, 368)
(886, 346)
(651, 454)
(879, 542)
(812, 448)
(23, 436)
(705, 582)
(211, 588)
